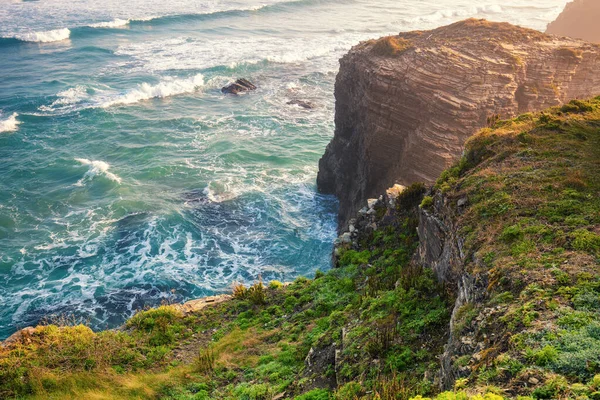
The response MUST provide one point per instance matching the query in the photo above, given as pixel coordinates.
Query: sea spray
(167, 87)
(116, 23)
(11, 124)
(96, 168)
(55, 35)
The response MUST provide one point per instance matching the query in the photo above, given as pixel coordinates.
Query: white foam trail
(166, 88)
(11, 124)
(116, 23)
(55, 35)
(67, 98)
(96, 168)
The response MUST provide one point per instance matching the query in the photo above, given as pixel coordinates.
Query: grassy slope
(532, 225)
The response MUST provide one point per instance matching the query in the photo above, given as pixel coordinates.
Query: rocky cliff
(500, 227)
(405, 105)
(579, 20)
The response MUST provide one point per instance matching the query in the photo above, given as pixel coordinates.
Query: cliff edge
(406, 104)
(579, 20)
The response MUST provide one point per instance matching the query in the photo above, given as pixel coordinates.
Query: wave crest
(55, 35)
(96, 168)
(116, 23)
(168, 87)
(11, 124)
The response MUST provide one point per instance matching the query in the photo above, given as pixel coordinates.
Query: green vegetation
(385, 316)
(390, 46)
(533, 186)
(530, 234)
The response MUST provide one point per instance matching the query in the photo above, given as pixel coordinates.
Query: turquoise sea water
(128, 179)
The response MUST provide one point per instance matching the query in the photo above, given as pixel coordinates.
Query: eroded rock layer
(405, 105)
(580, 19)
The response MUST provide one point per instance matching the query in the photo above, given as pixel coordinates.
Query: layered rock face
(580, 19)
(405, 106)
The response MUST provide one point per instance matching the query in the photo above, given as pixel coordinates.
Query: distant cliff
(406, 104)
(580, 19)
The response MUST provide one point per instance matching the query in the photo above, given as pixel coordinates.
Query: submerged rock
(239, 86)
(301, 103)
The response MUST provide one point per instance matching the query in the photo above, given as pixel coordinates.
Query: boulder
(240, 86)
(22, 336)
(301, 103)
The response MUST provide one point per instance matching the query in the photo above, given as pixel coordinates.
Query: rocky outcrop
(441, 248)
(301, 103)
(406, 105)
(580, 19)
(196, 305)
(240, 86)
(21, 336)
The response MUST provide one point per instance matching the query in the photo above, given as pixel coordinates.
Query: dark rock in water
(301, 103)
(239, 86)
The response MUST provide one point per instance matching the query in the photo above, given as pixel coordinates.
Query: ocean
(127, 179)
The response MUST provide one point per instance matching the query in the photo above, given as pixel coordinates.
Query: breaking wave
(117, 23)
(55, 35)
(96, 168)
(10, 124)
(168, 87)
(81, 97)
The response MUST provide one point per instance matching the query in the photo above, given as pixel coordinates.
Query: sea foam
(166, 88)
(55, 35)
(11, 124)
(116, 23)
(96, 168)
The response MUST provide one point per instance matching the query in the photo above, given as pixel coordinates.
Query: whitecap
(55, 35)
(116, 23)
(81, 97)
(96, 168)
(166, 88)
(11, 124)
(67, 98)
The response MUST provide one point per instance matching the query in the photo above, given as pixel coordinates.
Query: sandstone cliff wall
(404, 117)
(580, 19)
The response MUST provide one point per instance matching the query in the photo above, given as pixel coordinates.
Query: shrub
(577, 106)
(315, 394)
(148, 320)
(580, 353)
(545, 356)
(586, 299)
(205, 362)
(275, 285)
(350, 391)
(257, 294)
(427, 202)
(411, 196)
(261, 391)
(511, 233)
(552, 389)
(353, 257)
(160, 322)
(240, 291)
(585, 240)
(390, 46)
